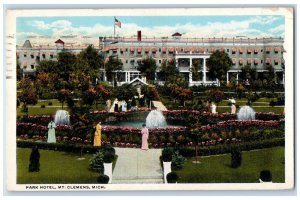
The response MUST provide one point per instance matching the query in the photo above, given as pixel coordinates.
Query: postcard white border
(11, 94)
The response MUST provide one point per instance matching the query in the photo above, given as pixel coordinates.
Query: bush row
(184, 151)
(222, 149)
(74, 148)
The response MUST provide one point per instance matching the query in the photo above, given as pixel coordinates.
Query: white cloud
(233, 28)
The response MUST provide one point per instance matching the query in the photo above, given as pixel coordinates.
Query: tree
(62, 96)
(247, 72)
(89, 96)
(28, 94)
(148, 68)
(90, 62)
(183, 94)
(216, 96)
(48, 66)
(124, 92)
(168, 70)
(270, 76)
(19, 71)
(113, 65)
(66, 64)
(218, 64)
(195, 70)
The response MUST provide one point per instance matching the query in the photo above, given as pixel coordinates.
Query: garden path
(137, 166)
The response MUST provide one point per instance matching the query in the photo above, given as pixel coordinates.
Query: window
(32, 66)
(51, 56)
(32, 56)
(126, 61)
(227, 50)
(159, 61)
(25, 55)
(261, 61)
(159, 49)
(25, 66)
(44, 56)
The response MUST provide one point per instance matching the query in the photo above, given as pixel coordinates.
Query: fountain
(246, 113)
(62, 117)
(155, 119)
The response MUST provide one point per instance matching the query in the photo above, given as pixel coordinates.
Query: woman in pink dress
(145, 135)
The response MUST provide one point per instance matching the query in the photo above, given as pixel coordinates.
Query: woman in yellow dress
(97, 137)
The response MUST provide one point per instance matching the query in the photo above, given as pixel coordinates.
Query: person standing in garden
(34, 160)
(51, 132)
(97, 136)
(145, 135)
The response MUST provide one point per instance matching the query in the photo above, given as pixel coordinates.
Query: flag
(117, 23)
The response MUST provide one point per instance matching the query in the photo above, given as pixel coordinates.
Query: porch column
(190, 74)
(227, 78)
(176, 62)
(237, 77)
(204, 71)
(105, 77)
(283, 78)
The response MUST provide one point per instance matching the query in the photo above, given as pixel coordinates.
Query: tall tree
(195, 70)
(90, 61)
(114, 64)
(48, 66)
(66, 64)
(218, 64)
(247, 72)
(28, 94)
(148, 68)
(168, 70)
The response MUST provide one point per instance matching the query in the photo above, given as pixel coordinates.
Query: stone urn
(108, 170)
(167, 169)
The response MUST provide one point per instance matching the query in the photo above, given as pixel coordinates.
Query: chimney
(139, 36)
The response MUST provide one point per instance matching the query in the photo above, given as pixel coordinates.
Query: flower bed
(230, 131)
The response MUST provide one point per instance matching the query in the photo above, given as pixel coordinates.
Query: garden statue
(34, 164)
(108, 105)
(213, 108)
(145, 135)
(51, 132)
(124, 106)
(97, 137)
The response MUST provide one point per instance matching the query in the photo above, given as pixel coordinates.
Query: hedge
(74, 148)
(223, 149)
(184, 151)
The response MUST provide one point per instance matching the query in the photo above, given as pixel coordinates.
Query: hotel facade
(257, 53)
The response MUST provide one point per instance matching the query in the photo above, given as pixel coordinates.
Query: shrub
(109, 149)
(34, 161)
(177, 161)
(108, 157)
(96, 162)
(265, 176)
(104, 179)
(236, 158)
(50, 103)
(172, 177)
(167, 154)
(43, 106)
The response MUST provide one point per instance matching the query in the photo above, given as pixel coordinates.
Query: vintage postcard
(150, 99)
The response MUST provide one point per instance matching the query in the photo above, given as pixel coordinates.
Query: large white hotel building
(256, 52)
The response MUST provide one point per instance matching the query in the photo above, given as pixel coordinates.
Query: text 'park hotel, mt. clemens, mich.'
(256, 52)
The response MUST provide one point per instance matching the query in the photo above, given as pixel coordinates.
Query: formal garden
(202, 142)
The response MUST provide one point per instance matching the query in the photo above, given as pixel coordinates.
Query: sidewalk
(137, 166)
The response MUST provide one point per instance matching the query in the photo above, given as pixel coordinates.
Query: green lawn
(41, 111)
(216, 169)
(55, 167)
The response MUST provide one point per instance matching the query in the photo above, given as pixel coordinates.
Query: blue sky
(48, 29)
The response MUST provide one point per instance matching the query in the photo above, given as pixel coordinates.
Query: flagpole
(114, 27)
